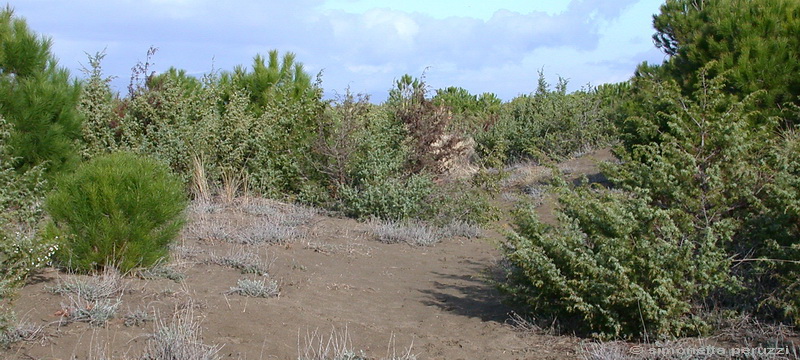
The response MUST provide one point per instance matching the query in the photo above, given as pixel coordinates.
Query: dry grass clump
(95, 312)
(606, 351)
(23, 331)
(179, 339)
(103, 286)
(462, 229)
(749, 331)
(92, 299)
(338, 346)
(245, 259)
(255, 288)
(287, 214)
(137, 317)
(267, 233)
(202, 207)
(739, 337)
(412, 233)
(524, 324)
(270, 222)
(162, 271)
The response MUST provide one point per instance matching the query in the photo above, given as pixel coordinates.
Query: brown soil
(336, 277)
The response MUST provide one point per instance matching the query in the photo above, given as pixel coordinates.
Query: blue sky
(483, 46)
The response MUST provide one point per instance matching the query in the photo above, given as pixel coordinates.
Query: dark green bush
(117, 210)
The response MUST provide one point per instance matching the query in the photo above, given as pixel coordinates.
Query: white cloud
(588, 40)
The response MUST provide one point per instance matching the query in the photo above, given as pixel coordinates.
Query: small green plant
(117, 210)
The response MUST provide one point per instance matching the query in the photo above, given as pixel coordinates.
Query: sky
(494, 46)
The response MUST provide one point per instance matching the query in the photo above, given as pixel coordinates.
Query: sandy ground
(334, 277)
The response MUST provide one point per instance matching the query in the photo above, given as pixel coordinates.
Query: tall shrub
(97, 105)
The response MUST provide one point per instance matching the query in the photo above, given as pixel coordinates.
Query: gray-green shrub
(118, 210)
(548, 125)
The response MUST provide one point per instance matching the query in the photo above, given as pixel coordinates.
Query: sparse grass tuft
(256, 288)
(338, 346)
(412, 233)
(245, 260)
(23, 331)
(93, 288)
(96, 312)
(162, 271)
(178, 340)
(137, 317)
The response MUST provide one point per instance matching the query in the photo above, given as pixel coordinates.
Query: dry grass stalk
(199, 179)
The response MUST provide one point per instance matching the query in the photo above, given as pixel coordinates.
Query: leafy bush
(116, 210)
(97, 107)
(393, 198)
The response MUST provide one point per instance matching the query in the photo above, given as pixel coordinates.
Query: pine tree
(755, 42)
(270, 78)
(37, 97)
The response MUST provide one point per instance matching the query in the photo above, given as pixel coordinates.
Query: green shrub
(116, 210)
(390, 199)
(471, 113)
(21, 193)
